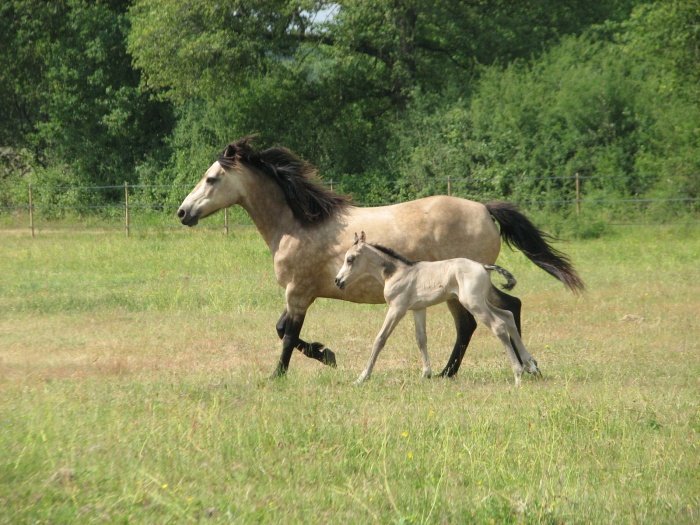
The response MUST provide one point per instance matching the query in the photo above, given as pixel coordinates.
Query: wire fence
(133, 208)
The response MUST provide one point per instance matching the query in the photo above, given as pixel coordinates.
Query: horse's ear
(362, 237)
(357, 239)
(238, 148)
(229, 151)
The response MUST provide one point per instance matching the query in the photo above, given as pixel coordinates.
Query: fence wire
(121, 211)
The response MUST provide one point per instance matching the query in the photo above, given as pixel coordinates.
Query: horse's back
(431, 229)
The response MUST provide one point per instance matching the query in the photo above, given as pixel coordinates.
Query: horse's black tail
(517, 231)
(505, 273)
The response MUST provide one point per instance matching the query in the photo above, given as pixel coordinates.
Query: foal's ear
(357, 239)
(362, 237)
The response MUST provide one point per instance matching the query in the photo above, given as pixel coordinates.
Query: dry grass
(133, 388)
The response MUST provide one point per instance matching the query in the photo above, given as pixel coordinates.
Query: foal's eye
(211, 180)
(351, 260)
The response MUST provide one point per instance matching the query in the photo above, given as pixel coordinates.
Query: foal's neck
(385, 265)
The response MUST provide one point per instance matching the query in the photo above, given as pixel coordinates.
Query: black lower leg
(292, 329)
(316, 351)
(465, 325)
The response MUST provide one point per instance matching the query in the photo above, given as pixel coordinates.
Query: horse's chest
(304, 270)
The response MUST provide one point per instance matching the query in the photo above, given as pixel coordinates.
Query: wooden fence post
(31, 210)
(578, 195)
(126, 207)
(226, 220)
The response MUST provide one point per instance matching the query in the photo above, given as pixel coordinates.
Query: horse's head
(353, 264)
(219, 188)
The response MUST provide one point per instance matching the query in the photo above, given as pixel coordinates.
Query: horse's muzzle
(186, 218)
(339, 283)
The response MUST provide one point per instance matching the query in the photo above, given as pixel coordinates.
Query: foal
(414, 286)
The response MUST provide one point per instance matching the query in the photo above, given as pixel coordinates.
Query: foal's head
(354, 263)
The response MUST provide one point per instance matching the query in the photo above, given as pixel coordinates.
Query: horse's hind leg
(465, 325)
(316, 351)
(422, 340)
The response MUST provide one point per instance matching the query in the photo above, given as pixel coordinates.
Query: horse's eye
(351, 260)
(211, 180)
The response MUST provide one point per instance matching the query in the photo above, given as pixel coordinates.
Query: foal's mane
(309, 201)
(393, 254)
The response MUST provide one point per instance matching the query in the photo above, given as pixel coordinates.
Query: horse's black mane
(392, 253)
(309, 201)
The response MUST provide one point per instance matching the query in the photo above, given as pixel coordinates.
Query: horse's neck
(267, 207)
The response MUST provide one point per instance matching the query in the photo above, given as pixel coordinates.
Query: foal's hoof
(533, 369)
(329, 358)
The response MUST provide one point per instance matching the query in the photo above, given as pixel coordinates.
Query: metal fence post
(31, 210)
(126, 207)
(578, 195)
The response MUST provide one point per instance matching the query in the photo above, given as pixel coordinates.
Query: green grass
(133, 389)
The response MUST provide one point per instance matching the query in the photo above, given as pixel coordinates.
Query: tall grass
(133, 389)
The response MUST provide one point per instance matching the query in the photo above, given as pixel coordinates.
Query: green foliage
(390, 100)
(76, 98)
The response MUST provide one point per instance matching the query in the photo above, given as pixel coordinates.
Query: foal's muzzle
(339, 283)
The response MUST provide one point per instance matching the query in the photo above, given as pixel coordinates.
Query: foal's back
(428, 283)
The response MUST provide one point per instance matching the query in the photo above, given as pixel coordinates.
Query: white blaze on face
(346, 271)
(215, 191)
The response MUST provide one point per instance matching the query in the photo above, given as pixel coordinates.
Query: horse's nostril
(181, 213)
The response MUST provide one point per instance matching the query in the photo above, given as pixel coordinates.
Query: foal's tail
(517, 231)
(505, 273)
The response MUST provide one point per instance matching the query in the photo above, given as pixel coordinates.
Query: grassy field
(133, 390)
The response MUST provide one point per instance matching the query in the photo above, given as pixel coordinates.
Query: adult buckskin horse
(308, 229)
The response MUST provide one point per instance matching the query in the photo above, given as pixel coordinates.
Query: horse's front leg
(465, 325)
(290, 339)
(314, 350)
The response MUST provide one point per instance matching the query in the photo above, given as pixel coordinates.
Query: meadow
(133, 389)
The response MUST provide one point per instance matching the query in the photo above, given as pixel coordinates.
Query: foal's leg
(466, 325)
(393, 317)
(502, 300)
(422, 340)
(498, 326)
(316, 351)
(524, 356)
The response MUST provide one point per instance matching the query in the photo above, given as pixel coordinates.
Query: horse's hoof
(329, 358)
(447, 373)
(278, 373)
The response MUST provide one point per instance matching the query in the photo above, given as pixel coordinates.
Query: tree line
(388, 98)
